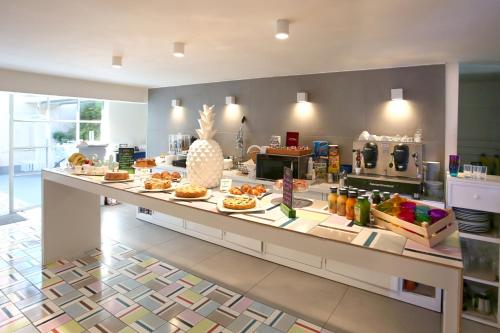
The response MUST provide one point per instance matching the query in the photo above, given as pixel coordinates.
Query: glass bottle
(376, 198)
(332, 200)
(361, 192)
(341, 201)
(362, 211)
(349, 205)
(387, 196)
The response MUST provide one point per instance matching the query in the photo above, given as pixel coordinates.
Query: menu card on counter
(126, 159)
(287, 204)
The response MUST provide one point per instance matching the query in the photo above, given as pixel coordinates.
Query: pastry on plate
(166, 175)
(156, 175)
(256, 190)
(245, 188)
(190, 191)
(175, 175)
(239, 203)
(235, 191)
(116, 175)
(145, 163)
(157, 184)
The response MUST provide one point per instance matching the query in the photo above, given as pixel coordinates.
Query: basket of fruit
(421, 223)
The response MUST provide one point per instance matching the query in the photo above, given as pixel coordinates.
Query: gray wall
(342, 105)
(478, 116)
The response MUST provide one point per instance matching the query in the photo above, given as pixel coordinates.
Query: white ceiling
(234, 39)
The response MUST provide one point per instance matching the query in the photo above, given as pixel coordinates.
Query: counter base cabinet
(481, 251)
(371, 281)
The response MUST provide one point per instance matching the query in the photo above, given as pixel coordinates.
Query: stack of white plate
(470, 220)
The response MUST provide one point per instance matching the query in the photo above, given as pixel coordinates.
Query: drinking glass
(476, 171)
(468, 170)
(454, 165)
(484, 172)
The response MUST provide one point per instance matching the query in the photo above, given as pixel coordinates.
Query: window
(90, 120)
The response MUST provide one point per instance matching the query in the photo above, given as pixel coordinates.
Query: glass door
(30, 149)
(5, 188)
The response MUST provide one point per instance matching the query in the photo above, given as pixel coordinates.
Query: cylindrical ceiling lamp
(282, 29)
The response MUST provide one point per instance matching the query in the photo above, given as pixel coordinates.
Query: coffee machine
(391, 166)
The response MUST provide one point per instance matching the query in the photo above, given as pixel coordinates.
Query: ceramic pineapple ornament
(205, 161)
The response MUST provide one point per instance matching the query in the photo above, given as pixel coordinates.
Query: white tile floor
(339, 307)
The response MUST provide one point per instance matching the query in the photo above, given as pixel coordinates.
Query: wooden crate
(288, 152)
(426, 234)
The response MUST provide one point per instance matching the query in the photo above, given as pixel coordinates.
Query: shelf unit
(480, 195)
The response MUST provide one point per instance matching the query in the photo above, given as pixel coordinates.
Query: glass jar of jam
(349, 205)
(341, 201)
(332, 200)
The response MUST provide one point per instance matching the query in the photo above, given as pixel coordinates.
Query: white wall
(451, 119)
(16, 81)
(127, 123)
(479, 116)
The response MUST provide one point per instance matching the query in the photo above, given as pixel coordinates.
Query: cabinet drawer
(301, 257)
(203, 229)
(164, 219)
(246, 242)
(364, 275)
(473, 196)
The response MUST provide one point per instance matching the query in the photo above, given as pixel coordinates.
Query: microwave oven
(270, 167)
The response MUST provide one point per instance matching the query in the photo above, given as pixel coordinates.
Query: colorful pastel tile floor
(117, 289)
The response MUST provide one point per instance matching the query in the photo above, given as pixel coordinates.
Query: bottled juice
(362, 211)
(376, 198)
(332, 200)
(341, 201)
(349, 205)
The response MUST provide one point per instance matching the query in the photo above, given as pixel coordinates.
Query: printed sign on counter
(126, 159)
(287, 204)
(225, 184)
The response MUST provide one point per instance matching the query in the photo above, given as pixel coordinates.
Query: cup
(484, 172)
(468, 170)
(476, 171)
(454, 165)
(437, 214)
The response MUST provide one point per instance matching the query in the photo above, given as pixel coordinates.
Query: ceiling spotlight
(178, 49)
(116, 61)
(282, 29)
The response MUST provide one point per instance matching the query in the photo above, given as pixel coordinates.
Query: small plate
(156, 190)
(258, 208)
(104, 181)
(268, 191)
(205, 197)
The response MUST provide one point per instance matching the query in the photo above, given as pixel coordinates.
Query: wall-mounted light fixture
(116, 61)
(176, 102)
(302, 97)
(178, 50)
(230, 100)
(282, 29)
(397, 94)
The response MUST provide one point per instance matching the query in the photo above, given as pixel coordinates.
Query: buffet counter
(71, 226)
(317, 190)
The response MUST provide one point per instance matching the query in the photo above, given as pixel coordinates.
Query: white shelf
(484, 237)
(490, 320)
(458, 195)
(483, 281)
